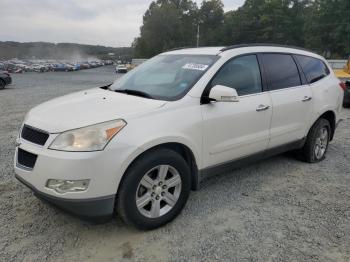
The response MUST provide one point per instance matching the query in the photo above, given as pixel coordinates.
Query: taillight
(342, 85)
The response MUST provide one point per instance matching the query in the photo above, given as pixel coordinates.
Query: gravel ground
(279, 209)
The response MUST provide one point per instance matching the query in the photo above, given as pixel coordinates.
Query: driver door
(233, 130)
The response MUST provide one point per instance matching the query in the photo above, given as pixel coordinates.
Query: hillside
(43, 50)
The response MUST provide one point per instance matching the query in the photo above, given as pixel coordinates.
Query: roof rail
(263, 44)
(188, 47)
(179, 48)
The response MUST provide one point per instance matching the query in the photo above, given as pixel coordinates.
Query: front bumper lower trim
(92, 208)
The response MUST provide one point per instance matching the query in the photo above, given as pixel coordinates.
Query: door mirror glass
(221, 93)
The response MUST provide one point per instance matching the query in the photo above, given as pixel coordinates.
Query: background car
(63, 68)
(5, 79)
(121, 69)
(344, 75)
(346, 102)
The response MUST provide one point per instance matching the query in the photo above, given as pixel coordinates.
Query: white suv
(138, 146)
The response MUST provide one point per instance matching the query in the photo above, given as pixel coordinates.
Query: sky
(104, 22)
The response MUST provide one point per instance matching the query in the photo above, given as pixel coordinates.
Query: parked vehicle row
(138, 146)
(40, 66)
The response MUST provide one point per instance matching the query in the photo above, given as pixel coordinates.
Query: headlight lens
(90, 138)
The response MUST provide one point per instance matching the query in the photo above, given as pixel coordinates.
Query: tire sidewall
(319, 125)
(2, 84)
(129, 185)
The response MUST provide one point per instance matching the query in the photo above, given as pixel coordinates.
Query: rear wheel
(2, 84)
(317, 142)
(154, 190)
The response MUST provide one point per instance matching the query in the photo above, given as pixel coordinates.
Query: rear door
(233, 130)
(291, 99)
(325, 89)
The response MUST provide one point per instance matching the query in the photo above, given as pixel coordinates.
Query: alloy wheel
(158, 191)
(321, 143)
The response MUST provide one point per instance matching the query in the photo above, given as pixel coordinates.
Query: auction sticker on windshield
(193, 66)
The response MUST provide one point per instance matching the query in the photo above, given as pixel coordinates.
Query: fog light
(65, 186)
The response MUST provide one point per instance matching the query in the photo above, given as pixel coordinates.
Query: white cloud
(103, 22)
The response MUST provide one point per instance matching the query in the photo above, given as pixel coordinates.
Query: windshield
(165, 77)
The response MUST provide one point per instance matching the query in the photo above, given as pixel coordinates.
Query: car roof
(244, 48)
(195, 51)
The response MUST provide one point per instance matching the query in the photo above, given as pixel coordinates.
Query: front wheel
(317, 142)
(2, 84)
(154, 190)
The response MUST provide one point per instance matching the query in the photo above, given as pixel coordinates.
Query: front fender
(158, 142)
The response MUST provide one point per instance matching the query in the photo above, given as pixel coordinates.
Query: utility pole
(198, 35)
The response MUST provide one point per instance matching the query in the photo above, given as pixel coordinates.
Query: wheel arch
(182, 149)
(330, 116)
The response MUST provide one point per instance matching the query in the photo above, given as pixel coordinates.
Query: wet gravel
(279, 209)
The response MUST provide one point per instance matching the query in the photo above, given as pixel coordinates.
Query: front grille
(26, 159)
(34, 135)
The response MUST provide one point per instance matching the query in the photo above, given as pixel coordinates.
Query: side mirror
(221, 93)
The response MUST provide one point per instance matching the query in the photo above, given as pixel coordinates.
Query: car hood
(87, 108)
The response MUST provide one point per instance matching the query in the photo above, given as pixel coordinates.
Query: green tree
(166, 24)
(327, 28)
(273, 21)
(320, 25)
(211, 20)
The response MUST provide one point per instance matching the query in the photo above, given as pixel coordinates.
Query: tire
(2, 84)
(142, 183)
(309, 151)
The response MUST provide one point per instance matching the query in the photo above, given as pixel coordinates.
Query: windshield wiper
(134, 93)
(107, 87)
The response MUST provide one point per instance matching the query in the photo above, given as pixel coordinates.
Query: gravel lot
(276, 210)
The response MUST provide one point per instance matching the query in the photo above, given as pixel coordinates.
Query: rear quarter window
(314, 69)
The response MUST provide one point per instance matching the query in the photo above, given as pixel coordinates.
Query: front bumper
(104, 169)
(101, 207)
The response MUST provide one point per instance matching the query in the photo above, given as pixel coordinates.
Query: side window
(313, 68)
(282, 70)
(242, 73)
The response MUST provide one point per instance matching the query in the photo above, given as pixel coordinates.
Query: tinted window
(241, 73)
(282, 70)
(313, 68)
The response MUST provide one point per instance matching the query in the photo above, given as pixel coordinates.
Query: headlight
(90, 138)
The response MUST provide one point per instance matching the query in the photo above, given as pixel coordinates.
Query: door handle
(262, 108)
(306, 98)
